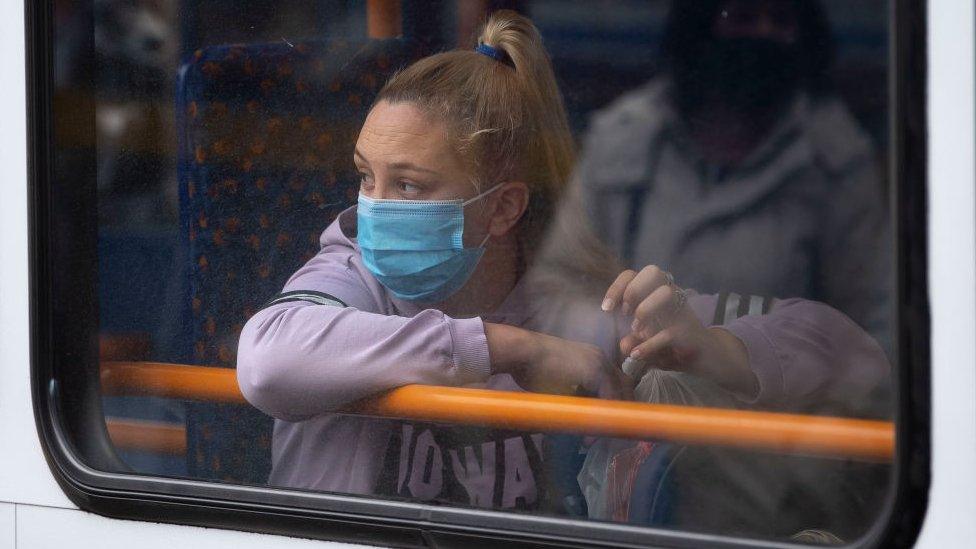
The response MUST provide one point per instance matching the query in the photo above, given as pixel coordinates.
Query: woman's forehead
(402, 130)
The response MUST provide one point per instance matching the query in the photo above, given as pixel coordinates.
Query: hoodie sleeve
(326, 341)
(806, 355)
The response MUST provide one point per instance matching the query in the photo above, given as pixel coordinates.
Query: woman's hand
(666, 334)
(547, 364)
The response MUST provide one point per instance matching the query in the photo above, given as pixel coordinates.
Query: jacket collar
(626, 144)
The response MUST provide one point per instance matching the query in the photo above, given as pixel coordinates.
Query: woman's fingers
(631, 288)
(655, 311)
(630, 341)
(647, 280)
(616, 291)
(657, 343)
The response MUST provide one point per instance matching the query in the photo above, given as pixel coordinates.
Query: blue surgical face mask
(415, 248)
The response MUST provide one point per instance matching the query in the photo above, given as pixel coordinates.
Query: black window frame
(58, 349)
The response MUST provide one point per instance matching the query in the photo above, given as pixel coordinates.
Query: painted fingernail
(607, 304)
(636, 326)
(635, 354)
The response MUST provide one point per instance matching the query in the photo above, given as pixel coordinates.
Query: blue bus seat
(265, 138)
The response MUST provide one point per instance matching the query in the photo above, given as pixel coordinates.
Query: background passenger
(438, 277)
(739, 169)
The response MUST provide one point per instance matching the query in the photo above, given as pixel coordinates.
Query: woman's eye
(365, 180)
(409, 188)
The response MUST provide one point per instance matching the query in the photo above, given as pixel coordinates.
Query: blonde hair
(506, 118)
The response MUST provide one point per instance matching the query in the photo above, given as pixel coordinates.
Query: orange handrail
(865, 439)
(694, 425)
(166, 380)
(147, 436)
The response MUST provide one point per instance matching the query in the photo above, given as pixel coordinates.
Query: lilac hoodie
(336, 335)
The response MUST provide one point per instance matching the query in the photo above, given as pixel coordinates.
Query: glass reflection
(715, 213)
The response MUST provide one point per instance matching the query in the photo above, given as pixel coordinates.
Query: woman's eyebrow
(412, 167)
(398, 165)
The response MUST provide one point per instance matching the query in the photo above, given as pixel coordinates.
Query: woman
(439, 277)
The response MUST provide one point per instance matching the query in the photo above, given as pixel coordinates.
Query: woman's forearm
(728, 365)
(509, 348)
(298, 361)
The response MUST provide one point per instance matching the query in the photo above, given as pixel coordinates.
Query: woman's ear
(510, 203)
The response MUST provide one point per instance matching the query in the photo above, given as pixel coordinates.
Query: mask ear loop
(482, 195)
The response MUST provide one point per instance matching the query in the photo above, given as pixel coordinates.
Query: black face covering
(749, 74)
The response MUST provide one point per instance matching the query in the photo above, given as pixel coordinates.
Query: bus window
(615, 272)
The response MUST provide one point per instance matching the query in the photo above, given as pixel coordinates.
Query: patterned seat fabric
(265, 140)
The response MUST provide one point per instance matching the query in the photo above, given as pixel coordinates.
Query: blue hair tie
(496, 54)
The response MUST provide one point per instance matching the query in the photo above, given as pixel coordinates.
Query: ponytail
(520, 41)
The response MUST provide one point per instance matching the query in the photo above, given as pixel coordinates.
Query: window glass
(619, 262)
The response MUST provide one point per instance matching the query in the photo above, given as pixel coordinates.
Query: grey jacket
(803, 216)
